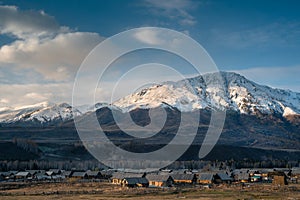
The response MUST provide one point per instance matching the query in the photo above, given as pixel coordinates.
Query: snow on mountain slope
(237, 93)
(90, 108)
(43, 113)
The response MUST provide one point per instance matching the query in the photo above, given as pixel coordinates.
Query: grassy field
(107, 191)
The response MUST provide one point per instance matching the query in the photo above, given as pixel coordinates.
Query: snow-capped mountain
(90, 108)
(238, 94)
(43, 113)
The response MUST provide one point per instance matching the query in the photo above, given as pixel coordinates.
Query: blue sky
(43, 42)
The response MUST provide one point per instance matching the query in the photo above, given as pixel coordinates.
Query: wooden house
(42, 177)
(66, 174)
(93, 174)
(184, 178)
(135, 182)
(157, 180)
(55, 171)
(278, 178)
(241, 175)
(117, 177)
(107, 174)
(23, 175)
(33, 172)
(206, 178)
(79, 175)
(222, 178)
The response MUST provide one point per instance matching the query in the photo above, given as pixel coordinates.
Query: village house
(23, 175)
(33, 172)
(79, 175)
(107, 174)
(66, 174)
(278, 178)
(93, 174)
(42, 177)
(222, 178)
(241, 175)
(295, 174)
(135, 182)
(11, 174)
(55, 171)
(157, 180)
(182, 179)
(118, 177)
(206, 178)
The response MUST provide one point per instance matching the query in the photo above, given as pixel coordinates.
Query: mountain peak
(237, 93)
(40, 113)
(202, 92)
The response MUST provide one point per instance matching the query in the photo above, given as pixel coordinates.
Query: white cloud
(148, 36)
(178, 10)
(4, 101)
(55, 58)
(40, 64)
(20, 94)
(23, 24)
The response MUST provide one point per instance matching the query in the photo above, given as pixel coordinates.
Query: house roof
(33, 171)
(9, 173)
(56, 171)
(13, 172)
(23, 174)
(66, 173)
(49, 173)
(107, 172)
(136, 180)
(79, 174)
(295, 170)
(206, 176)
(122, 175)
(224, 177)
(157, 177)
(183, 176)
(92, 173)
(41, 176)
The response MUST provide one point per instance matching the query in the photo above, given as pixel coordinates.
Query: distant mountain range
(257, 116)
(203, 92)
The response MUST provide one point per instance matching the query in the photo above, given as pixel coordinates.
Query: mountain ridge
(238, 93)
(202, 92)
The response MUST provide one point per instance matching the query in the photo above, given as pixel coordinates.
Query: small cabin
(93, 174)
(206, 178)
(278, 178)
(55, 171)
(184, 178)
(222, 178)
(66, 174)
(156, 180)
(79, 175)
(117, 177)
(23, 175)
(135, 182)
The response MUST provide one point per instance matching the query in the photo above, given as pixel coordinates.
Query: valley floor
(107, 191)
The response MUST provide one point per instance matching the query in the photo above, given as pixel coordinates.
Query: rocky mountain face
(41, 114)
(234, 93)
(257, 115)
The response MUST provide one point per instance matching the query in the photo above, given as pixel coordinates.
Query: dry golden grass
(107, 191)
